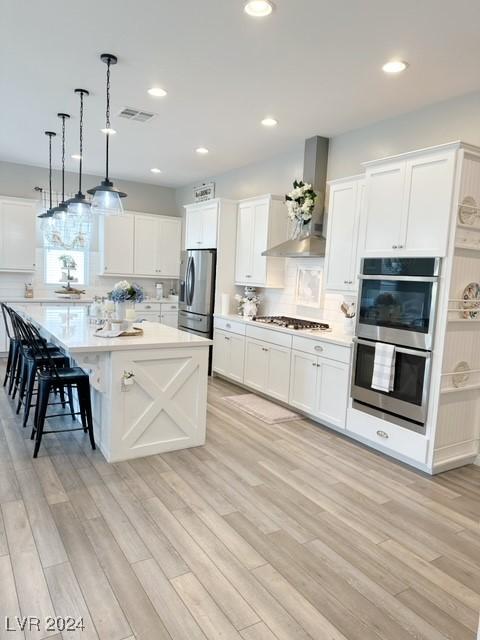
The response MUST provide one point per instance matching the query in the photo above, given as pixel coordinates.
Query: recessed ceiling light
(258, 8)
(157, 92)
(395, 66)
(269, 122)
(108, 131)
(202, 151)
(76, 156)
(155, 170)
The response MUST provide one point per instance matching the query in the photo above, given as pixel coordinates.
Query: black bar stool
(51, 377)
(13, 350)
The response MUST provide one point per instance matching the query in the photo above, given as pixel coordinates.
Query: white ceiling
(314, 65)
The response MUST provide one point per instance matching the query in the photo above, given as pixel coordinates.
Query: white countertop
(336, 336)
(71, 329)
(52, 300)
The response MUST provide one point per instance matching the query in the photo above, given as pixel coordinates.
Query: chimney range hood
(315, 173)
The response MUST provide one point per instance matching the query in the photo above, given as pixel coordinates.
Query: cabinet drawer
(147, 306)
(169, 306)
(387, 435)
(267, 335)
(322, 348)
(230, 325)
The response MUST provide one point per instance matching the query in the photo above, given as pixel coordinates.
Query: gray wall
(455, 119)
(19, 180)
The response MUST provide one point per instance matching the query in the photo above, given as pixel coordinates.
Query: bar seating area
(42, 376)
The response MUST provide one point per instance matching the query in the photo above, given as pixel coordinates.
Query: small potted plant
(124, 293)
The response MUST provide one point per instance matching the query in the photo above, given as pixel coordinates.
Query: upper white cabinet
(343, 233)
(116, 235)
(261, 223)
(17, 234)
(408, 202)
(140, 244)
(157, 246)
(201, 223)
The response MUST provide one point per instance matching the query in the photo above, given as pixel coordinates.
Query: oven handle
(413, 352)
(401, 278)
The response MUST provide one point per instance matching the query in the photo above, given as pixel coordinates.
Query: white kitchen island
(163, 409)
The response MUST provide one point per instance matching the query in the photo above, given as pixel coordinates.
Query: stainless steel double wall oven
(397, 305)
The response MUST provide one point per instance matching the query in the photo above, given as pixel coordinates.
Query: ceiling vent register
(129, 113)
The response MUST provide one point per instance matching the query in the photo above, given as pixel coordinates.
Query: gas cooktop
(293, 323)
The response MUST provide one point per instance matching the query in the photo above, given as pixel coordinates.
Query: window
(60, 262)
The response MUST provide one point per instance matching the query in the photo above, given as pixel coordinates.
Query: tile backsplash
(283, 301)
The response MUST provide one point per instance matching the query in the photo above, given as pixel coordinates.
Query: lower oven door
(409, 398)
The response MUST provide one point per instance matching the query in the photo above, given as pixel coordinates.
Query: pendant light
(78, 205)
(61, 209)
(47, 216)
(106, 199)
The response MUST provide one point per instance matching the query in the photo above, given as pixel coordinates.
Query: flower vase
(249, 309)
(120, 311)
(301, 229)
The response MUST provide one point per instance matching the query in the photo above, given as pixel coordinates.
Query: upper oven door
(397, 309)
(409, 397)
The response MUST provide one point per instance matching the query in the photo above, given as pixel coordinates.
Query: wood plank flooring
(269, 532)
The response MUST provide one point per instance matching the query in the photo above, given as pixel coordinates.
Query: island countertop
(71, 329)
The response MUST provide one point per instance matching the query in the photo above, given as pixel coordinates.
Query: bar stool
(51, 377)
(13, 350)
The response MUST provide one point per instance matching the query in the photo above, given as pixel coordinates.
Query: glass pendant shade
(107, 202)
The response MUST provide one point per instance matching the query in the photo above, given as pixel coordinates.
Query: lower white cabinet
(229, 354)
(3, 336)
(170, 318)
(319, 386)
(267, 368)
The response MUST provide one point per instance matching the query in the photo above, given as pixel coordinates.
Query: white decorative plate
(471, 301)
(461, 376)
(468, 211)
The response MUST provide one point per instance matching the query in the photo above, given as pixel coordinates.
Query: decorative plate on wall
(471, 301)
(468, 211)
(461, 375)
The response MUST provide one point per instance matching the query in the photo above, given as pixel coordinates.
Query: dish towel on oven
(384, 367)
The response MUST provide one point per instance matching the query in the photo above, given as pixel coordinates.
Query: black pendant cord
(107, 135)
(63, 158)
(50, 135)
(81, 145)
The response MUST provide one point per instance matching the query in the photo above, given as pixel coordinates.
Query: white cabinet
(141, 245)
(170, 318)
(408, 203)
(3, 336)
(267, 368)
(17, 234)
(117, 244)
(157, 246)
(228, 354)
(343, 232)
(319, 386)
(261, 224)
(201, 225)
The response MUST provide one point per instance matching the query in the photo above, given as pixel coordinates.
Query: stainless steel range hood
(315, 173)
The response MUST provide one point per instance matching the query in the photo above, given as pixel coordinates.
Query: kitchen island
(149, 392)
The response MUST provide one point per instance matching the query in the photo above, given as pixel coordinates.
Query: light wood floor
(284, 532)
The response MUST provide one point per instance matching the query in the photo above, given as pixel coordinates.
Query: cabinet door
(259, 242)
(243, 263)
(209, 227)
(3, 336)
(146, 245)
(237, 357)
(332, 392)
(384, 208)
(117, 244)
(18, 235)
(170, 318)
(194, 229)
(428, 201)
(221, 352)
(256, 363)
(303, 381)
(342, 237)
(168, 247)
(277, 382)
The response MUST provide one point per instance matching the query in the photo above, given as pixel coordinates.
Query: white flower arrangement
(301, 202)
(249, 296)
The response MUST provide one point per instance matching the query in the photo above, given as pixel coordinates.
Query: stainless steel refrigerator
(197, 291)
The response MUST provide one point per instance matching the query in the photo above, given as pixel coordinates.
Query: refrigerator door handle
(190, 281)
